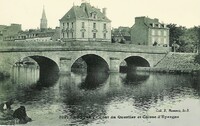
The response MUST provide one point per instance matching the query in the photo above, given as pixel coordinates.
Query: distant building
(37, 35)
(150, 32)
(2, 31)
(85, 23)
(34, 35)
(121, 35)
(9, 32)
(43, 21)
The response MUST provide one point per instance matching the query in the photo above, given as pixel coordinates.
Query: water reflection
(26, 84)
(135, 77)
(86, 98)
(25, 74)
(94, 80)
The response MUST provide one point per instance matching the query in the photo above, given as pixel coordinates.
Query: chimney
(83, 6)
(104, 11)
(139, 20)
(156, 20)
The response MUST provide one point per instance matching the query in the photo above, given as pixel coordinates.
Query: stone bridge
(62, 56)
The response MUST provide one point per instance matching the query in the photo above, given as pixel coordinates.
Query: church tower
(43, 21)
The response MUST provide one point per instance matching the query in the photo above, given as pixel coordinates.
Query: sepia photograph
(99, 63)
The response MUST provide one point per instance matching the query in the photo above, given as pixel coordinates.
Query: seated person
(6, 105)
(20, 114)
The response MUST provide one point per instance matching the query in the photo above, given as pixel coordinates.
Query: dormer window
(68, 16)
(156, 25)
(95, 16)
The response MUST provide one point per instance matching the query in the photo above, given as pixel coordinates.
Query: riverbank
(177, 63)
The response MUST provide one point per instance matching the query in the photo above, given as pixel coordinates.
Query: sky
(120, 12)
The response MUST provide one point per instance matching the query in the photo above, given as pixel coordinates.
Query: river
(115, 99)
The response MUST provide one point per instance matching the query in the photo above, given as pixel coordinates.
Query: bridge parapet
(79, 46)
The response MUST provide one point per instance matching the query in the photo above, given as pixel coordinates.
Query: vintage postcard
(99, 63)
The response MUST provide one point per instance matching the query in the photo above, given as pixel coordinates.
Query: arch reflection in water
(28, 86)
(25, 74)
(94, 80)
(135, 77)
(85, 104)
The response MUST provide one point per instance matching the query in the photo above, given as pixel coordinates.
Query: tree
(175, 32)
(188, 40)
(197, 30)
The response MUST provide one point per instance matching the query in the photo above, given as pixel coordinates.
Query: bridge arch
(48, 68)
(131, 62)
(94, 62)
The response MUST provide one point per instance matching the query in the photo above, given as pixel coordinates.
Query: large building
(85, 23)
(149, 32)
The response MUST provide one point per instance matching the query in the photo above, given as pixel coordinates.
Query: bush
(197, 59)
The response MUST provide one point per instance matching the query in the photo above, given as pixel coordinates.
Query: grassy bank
(178, 63)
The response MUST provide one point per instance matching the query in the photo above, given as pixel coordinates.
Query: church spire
(43, 20)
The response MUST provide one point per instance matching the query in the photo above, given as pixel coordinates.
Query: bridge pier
(114, 64)
(65, 65)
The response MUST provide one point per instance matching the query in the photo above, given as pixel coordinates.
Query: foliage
(188, 40)
(174, 33)
(197, 59)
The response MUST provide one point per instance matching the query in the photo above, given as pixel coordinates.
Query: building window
(152, 32)
(72, 35)
(165, 33)
(67, 34)
(63, 35)
(159, 40)
(67, 24)
(104, 26)
(104, 35)
(159, 32)
(72, 24)
(63, 24)
(165, 41)
(83, 24)
(83, 35)
(94, 25)
(94, 35)
(95, 16)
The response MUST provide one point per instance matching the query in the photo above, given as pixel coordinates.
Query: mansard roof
(152, 23)
(84, 12)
